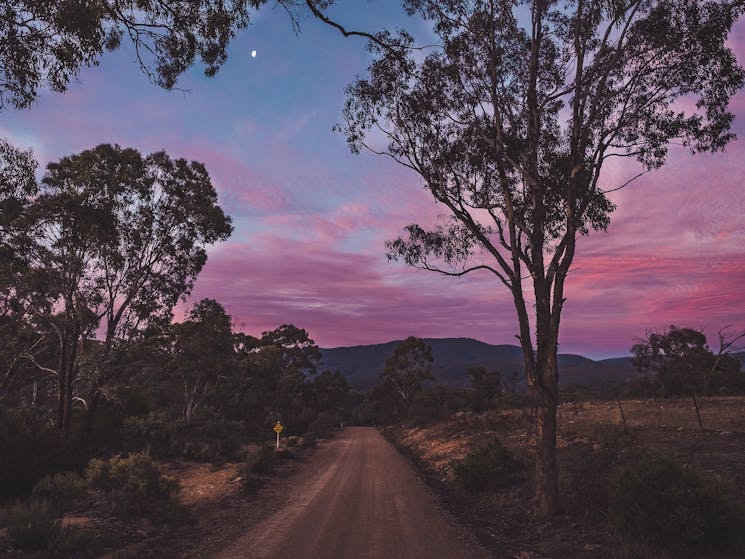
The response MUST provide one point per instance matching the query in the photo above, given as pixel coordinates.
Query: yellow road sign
(278, 428)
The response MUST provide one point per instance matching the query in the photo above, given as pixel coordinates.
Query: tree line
(93, 260)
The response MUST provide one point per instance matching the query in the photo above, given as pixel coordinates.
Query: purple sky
(311, 219)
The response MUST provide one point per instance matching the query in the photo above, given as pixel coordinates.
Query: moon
(253, 54)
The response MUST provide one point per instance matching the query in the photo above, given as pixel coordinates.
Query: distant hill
(453, 357)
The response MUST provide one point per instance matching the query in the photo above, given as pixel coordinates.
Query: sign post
(278, 429)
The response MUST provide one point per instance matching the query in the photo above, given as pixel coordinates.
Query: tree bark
(67, 404)
(542, 375)
(546, 479)
(90, 417)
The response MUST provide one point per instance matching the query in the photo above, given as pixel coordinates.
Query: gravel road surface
(356, 498)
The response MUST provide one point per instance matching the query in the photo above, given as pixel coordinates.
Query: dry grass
(592, 441)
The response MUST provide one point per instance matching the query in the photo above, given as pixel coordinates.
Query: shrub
(286, 454)
(261, 461)
(33, 525)
(152, 433)
(29, 450)
(250, 482)
(209, 439)
(309, 440)
(134, 486)
(323, 426)
(487, 466)
(73, 540)
(64, 492)
(258, 463)
(656, 501)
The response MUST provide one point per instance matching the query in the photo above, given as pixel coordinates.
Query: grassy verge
(592, 447)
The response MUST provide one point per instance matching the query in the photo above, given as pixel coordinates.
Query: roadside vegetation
(650, 477)
(99, 386)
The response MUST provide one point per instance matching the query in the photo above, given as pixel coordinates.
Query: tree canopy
(46, 44)
(407, 368)
(684, 364)
(114, 240)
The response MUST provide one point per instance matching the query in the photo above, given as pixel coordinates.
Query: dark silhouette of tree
(203, 353)
(120, 239)
(509, 122)
(487, 385)
(684, 364)
(272, 375)
(407, 368)
(680, 358)
(18, 290)
(330, 392)
(45, 44)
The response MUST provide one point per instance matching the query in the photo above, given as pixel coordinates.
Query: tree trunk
(90, 417)
(60, 400)
(67, 405)
(546, 477)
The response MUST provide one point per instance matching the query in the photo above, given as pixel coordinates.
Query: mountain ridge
(362, 364)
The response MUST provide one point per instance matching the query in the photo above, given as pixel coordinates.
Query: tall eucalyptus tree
(509, 124)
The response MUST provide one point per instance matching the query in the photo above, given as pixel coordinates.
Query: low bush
(209, 439)
(33, 525)
(258, 463)
(73, 540)
(206, 438)
(152, 433)
(309, 440)
(664, 505)
(249, 481)
(30, 449)
(261, 461)
(134, 486)
(286, 454)
(486, 467)
(323, 426)
(64, 492)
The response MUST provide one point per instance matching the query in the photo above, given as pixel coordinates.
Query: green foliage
(683, 363)
(201, 353)
(323, 426)
(438, 403)
(249, 481)
(33, 525)
(486, 467)
(310, 440)
(680, 358)
(36, 525)
(134, 486)
(30, 449)
(657, 502)
(407, 368)
(286, 454)
(261, 461)
(152, 433)
(64, 492)
(208, 439)
(487, 386)
(46, 44)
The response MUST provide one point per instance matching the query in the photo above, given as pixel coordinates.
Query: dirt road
(356, 498)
